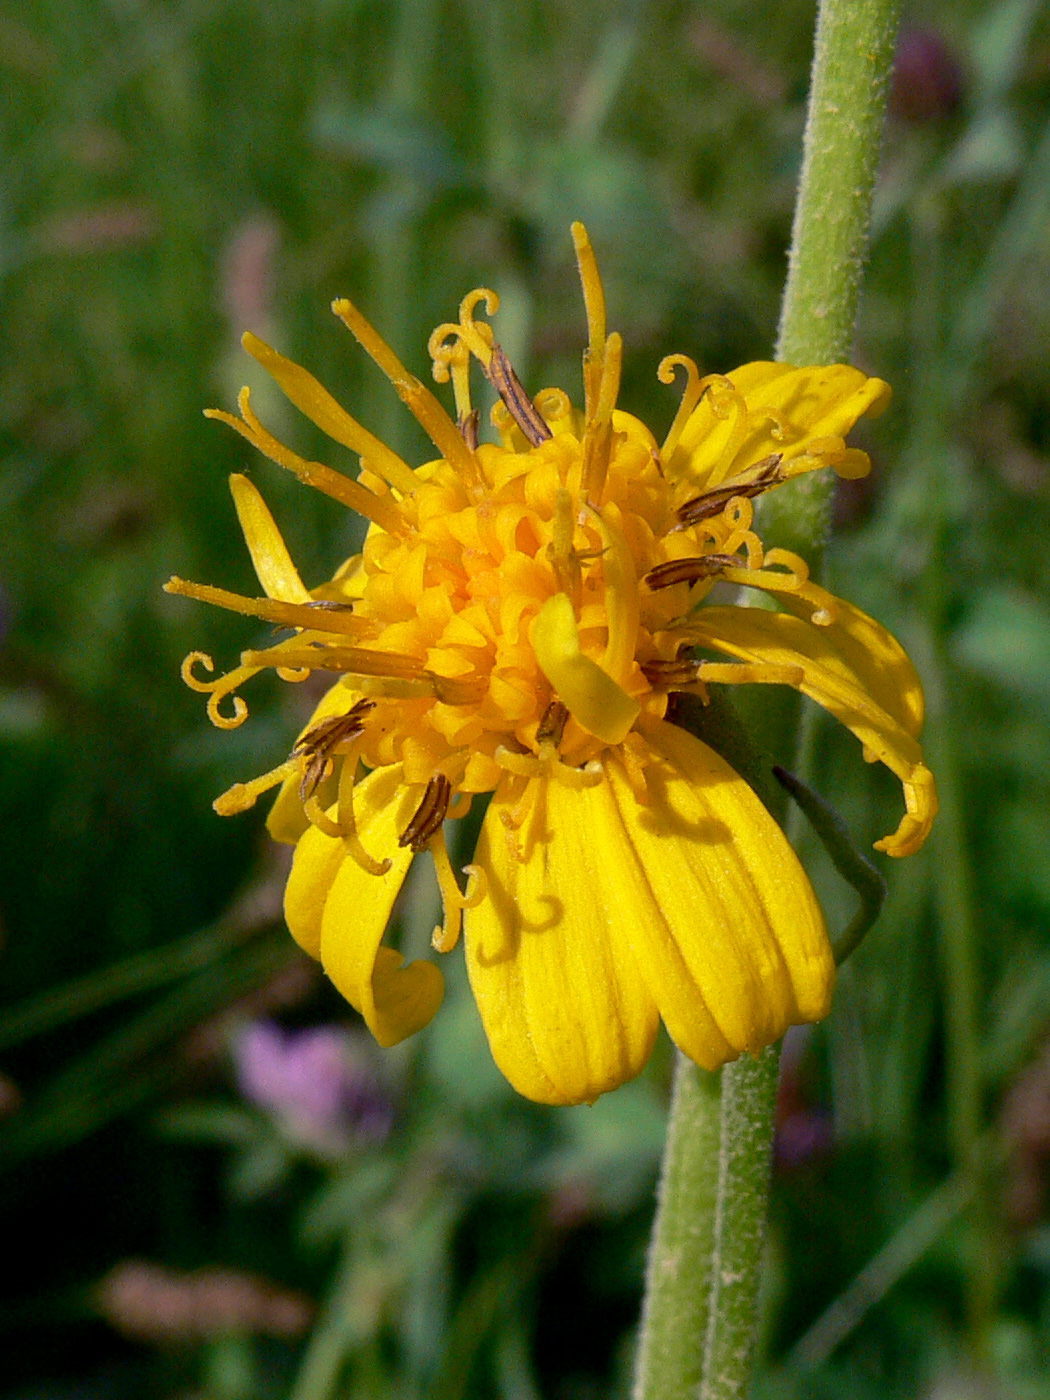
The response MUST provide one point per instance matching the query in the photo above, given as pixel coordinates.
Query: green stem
(853, 55)
(699, 1315)
(675, 1311)
(749, 1092)
(852, 60)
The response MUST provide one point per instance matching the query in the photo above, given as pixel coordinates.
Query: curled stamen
(429, 814)
(501, 375)
(590, 775)
(690, 570)
(552, 726)
(194, 682)
(450, 356)
(695, 388)
(317, 816)
(221, 721)
(522, 765)
(348, 822)
(554, 404)
(446, 935)
(757, 479)
(226, 685)
(477, 335)
(794, 563)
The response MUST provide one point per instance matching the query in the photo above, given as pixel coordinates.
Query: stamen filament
(381, 511)
(597, 437)
(352, 660)
(271, 609)
(416, 397)
(311, 398)
(446, 936)
(695, 388)
(348, 822)
(594, 304)
(241, 796)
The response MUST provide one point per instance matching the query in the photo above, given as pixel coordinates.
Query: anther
(467, 423)
(323, 740)
(506, 383)
(757, 479)
(663, 675)
(552, 726)
(690, 570)
(429, 814)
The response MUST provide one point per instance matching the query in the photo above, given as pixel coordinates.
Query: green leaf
(1007, 639)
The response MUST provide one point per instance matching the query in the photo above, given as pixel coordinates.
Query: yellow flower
(516, 624)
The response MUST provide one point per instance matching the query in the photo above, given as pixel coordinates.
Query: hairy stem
(680, 1254)
(699, 1315)
(852, 61)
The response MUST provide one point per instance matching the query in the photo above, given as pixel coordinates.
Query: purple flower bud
(316, 1082)
(927, 77)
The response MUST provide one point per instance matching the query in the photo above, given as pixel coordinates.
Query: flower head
(515, 625)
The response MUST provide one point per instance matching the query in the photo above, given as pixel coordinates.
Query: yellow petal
(395, 1000)
(590, 694)
(739, 951)
(314, 868)
(338, 913)
(812, 402)
(565, 1007)
(873, 657)
(273, 564)
(755, 635)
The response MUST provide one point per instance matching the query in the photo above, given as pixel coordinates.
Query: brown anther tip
(552, 726)
(429, 814)
(757, 478)
(690, 570)
(468, 425)
(501, 376)
(664, 675)
(323, 739)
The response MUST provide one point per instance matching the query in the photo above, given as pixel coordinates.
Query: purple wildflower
(316, 1082)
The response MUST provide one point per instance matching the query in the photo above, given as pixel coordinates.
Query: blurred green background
(212, 1185)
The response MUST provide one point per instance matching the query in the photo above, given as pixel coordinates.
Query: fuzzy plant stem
(699, 1318)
